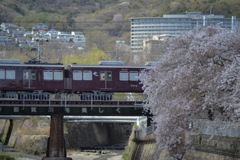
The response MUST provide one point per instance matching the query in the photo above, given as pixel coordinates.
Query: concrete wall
(32, 134)
(202, 148)
(139, 148)
(211, 143)
(28, 135)
(84, 134)
(206, 147)
(229, 129)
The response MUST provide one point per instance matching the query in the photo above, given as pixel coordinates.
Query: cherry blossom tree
(199, 73)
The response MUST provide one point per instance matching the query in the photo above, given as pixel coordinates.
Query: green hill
(110, 15)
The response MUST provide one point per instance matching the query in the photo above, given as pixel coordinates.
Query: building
(9, 32)
(79, 38)
(52, 34)
(144, 28)
(40, 26)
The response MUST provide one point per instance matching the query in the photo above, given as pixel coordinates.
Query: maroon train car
(26, 78)
(107, 76)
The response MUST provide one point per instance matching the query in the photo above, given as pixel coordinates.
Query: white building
(52, 34)
(143, 28)
(79, 38)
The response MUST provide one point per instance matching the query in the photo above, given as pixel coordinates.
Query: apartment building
(144, 28)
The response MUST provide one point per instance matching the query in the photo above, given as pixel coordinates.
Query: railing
(71, 104)
(73, 97)
(202, 126)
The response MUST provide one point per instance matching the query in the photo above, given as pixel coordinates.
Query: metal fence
(202, 126)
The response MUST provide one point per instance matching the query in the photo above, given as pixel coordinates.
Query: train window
(48, 75)
(77, 75)
(133, 76)
(10, 74)
(109, 75)
(25, 74)
(105, 75)
(102, 76)
(87, 75)
(33, 75)
(2, 74)
(29, 74)
(58, 75)
(123, 76)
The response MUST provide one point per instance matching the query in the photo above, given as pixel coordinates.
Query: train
(30, 80)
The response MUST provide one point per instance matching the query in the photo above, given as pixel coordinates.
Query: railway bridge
(58, 106)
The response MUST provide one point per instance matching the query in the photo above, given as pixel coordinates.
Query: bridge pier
(56, 149)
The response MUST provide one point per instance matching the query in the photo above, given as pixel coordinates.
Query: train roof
(151, 63)
(111, 63)
(10, 61)
(17, 62)
(74, 65)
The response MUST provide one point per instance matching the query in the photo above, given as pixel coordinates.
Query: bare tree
(54, 50)
(101, 40)
(200, 71)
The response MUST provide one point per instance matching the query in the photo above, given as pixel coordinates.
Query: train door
(29, 78)
(106, 79)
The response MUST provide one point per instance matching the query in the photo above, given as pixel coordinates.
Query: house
(8, 27)
(65, 37)
(40, 26)
(52, 34)
(79, 38)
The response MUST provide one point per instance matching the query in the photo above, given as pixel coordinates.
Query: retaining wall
(214, 141)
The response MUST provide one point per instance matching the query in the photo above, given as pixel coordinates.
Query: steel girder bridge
(73, 105)
(59, 105)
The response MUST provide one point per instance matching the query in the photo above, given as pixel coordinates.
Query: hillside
(104, 15)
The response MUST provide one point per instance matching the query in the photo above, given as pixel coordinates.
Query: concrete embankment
(206, 147)
(85, 135)
(27, 135)
(139, 148)
(209, 144)
(31, 135)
